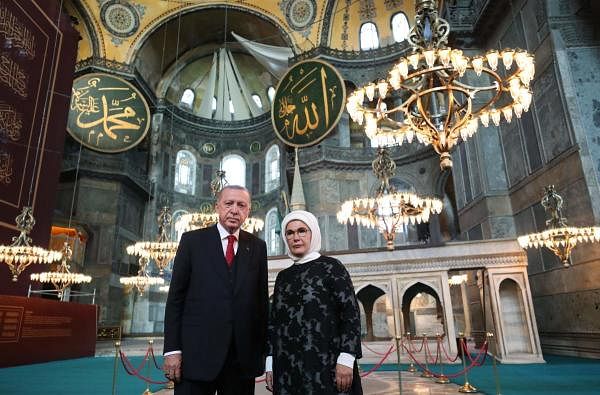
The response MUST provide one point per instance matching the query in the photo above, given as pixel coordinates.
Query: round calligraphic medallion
(119, 18)
(308, 103)
(107, 113)
(301, 13)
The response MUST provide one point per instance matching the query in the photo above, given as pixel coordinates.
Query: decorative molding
(367, 10)
(346, 19)
(97, 63)
(326, 23)
(327, 157)
(350, 59)
(392, 5)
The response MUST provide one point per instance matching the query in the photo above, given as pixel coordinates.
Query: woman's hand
(343, 377)
(269, 380)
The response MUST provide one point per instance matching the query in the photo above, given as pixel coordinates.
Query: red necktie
(229, 253)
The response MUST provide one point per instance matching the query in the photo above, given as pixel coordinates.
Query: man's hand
(269, 380)
(172, 367)
(343, 377)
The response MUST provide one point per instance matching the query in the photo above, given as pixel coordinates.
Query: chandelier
(202, 220)
(163, 249)
(559, 238)
(447, 94)
(62, 278)
(20, 254)
(208, 218)
(457, 279)
(142, 280)
(390, 210)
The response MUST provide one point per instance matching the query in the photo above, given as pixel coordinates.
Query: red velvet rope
(378, 365)
(410, 343)
(373, 351)
(464, 346)
(475, 362)
(448, 356)
(135, 372)
(427, 351)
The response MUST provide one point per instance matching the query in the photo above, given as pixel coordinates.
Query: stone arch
(377, 310)
(514, 317)
(430, 321)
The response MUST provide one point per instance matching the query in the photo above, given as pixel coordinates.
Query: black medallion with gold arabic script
(308, 103)
(107, 113)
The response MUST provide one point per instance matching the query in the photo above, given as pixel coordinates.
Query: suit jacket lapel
(242, 260)
(219, 264)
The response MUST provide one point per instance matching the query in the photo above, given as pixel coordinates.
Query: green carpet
(559, 375)
(75, 376)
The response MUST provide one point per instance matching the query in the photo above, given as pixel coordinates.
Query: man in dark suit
(216, 311)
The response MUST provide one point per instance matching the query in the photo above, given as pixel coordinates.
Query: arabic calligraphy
(13, 76)
(6, 167)
(309, 102)
(16, 34)
(107, 113)
(11, 122)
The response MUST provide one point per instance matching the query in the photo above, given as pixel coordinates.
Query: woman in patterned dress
(314, 327)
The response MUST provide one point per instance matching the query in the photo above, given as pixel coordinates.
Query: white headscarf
(315, 240)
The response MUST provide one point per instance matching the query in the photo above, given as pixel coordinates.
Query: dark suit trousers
(228, 382)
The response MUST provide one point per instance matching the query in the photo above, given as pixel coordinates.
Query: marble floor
(376, 383)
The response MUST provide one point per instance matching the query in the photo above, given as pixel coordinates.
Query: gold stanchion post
(147, 390)
(116, 364)
(466, 387)
(426, 372)
(398, 339)
(496, 376)
(411, 367)
(442, 379)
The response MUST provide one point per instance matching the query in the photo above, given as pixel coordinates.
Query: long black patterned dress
(314, 317)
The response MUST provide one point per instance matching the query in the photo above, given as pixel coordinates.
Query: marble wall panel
(514, 36)
(513, 152)
(550, 114)
(502, 227)
(457, 176)
(337, 234)
(530, 139)
(368, 238)
(577, 311)
(475, 168)
(491, 154)
(311, 193)
(466, 172)
(585, 67)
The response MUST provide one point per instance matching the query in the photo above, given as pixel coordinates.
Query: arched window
(271, 93)
(185, 172)
(187, 99)
(178, 226)
(272, 232)
(231, 109)
(235, 169)
(400, 27)
(214, 103)
(369, 39)
(272, 169)
(257, 100)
